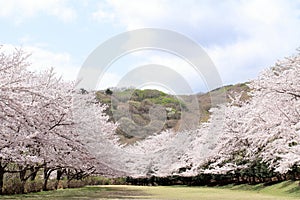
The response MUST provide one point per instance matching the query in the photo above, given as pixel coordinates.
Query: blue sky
(241, 37)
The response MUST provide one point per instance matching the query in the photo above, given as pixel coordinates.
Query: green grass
(89, 192)
(243, 192)
(287, 188)
(283, 191)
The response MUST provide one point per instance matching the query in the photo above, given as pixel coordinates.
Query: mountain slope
(132, 108)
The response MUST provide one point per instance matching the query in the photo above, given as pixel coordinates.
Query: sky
(241, 37)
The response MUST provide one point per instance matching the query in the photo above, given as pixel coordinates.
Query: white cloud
(192, 78)
(42, 59)
(61, 62)
(18, 10)
(102, 13)
(131, 14)
(242, 37)
(174, 71)
(108, 80)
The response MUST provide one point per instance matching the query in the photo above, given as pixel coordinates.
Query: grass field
(282, 191)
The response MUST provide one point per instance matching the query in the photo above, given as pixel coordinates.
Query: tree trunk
(2, 172)
(1, 178)
(70, 176)
(47, 173)
(34, 171)
(22, 175)
(59, 174)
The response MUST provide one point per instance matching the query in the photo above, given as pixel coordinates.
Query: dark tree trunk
(23, 179)
(1, 178)
(284, 177)
(2, 172)
(59, 174)
(71, 175)
(34, 171)
(47, 173)
(279, 177)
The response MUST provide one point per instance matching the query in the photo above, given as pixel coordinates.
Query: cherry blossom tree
(265, 128)
(157, 155)
(13, 117)
(41, 126)
(278, 90)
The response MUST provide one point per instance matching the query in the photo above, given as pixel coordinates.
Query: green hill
(132, 108)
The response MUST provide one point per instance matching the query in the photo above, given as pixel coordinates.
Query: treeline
(13, 183)
(256, 175)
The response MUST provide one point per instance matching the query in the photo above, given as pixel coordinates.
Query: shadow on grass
(295, 189)
(244, 187)
(89, 192)
(287, 183)
(287, 187)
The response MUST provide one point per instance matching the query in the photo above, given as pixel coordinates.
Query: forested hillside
(140, 102)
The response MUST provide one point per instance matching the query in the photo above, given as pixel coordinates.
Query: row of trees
(47, 125)
(42, 119)
(266, 129)
(257, 140)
